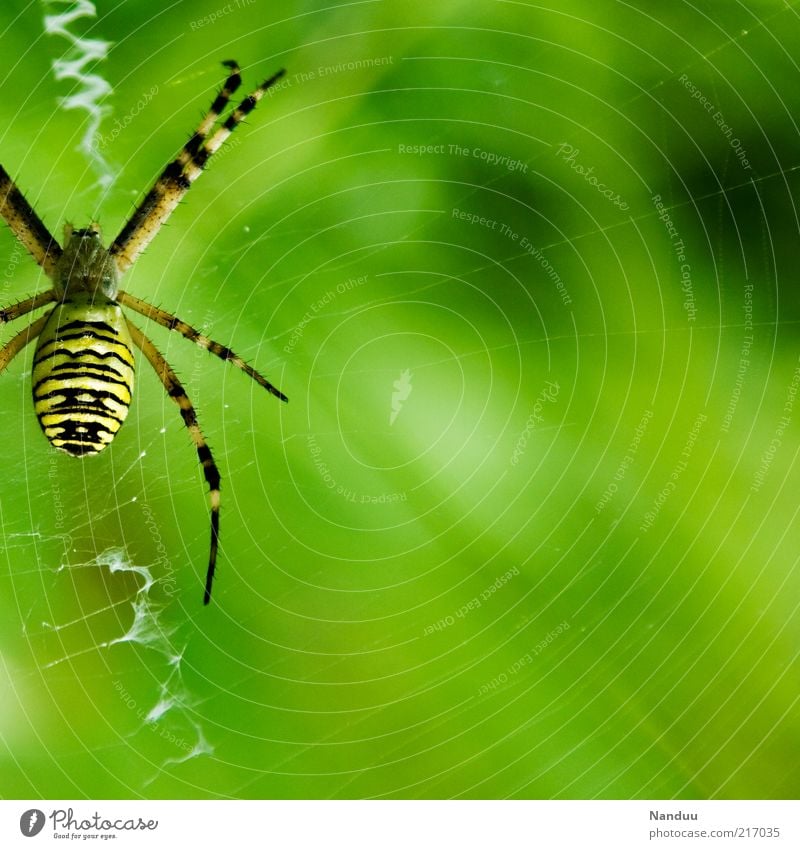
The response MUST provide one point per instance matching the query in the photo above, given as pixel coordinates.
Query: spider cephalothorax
(85, 265)
(83, 366)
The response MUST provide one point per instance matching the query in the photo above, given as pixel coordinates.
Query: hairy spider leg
(237, 116)
(159, 203)
(176, 391)
(12, 348)
(172, 322)
(27, 226)
(28, 305)
(229, 88)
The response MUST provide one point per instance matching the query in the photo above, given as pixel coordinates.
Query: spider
(83, 366)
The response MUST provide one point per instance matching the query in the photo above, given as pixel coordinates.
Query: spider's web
(133, 625)
(166, 707)
(104, 617)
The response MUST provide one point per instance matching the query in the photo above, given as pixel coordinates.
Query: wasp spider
(83, 365)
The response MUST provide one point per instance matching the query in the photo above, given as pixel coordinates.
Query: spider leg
(170, 180)
(26, 225)
(172, 322)
(28, 305)
(237, 116)
(194, 144)
(12, 348)
(159, 203)
(176, 391)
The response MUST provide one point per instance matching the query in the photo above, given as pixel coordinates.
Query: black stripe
(103, 421)
(103, 369)
(70, 393)
(173, 173)
(193, 145)
(68, 423)
(68, 430)
(175, 323)
(100, 325)
(66, 410)
(86, 334)
(86, 352)
(244, 109)
(220, 101)
(212, 557)
(78, 449)
(66, 414)
(201, 157)
(235, 79)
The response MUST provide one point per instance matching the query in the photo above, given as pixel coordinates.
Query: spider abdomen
(83, 375)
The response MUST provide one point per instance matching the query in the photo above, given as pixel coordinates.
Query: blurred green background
(528, 525)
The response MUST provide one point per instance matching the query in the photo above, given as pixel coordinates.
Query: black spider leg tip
(270, 81)
(212, 566)
(233, 65)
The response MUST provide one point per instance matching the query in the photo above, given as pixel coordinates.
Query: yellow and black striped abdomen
(83, 375)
